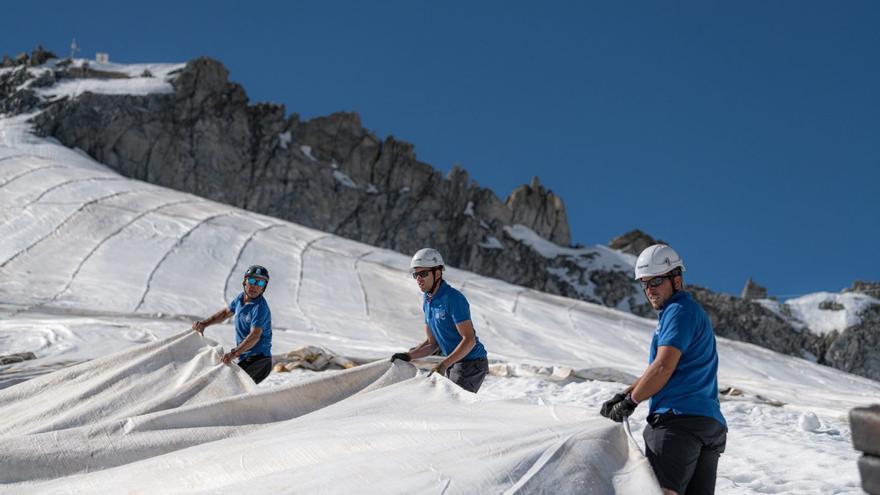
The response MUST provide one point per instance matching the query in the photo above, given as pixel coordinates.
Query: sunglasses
(655, 282)
(421, 274)
(256, 281)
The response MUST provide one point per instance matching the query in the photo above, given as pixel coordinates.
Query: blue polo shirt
(252, 314)
(442, 311)
(693, 386)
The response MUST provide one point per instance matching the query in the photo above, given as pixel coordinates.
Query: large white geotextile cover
(167, 417)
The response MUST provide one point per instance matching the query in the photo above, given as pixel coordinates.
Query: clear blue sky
(746, 134)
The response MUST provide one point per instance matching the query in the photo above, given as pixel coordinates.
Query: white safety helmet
(426, 258)
(657, 260)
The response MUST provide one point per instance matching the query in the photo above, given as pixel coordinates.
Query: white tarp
(167, 417)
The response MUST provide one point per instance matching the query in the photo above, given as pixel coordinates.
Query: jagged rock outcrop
(863, 287)
(633, 242)
(753, 291)
(857, 349)
(38, 56)
(541, 210)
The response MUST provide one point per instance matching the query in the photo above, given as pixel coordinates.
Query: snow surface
(93, 263)
(141, 79)
(821, 321)
(284, 140)
(344, 179)
(307, 150)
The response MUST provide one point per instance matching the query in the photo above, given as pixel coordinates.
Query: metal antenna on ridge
(73, 49)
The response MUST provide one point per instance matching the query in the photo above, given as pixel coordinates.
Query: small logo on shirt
(247, 318)
(440, 314)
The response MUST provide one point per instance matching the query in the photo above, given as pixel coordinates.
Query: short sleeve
(459, 308)
(424, 300)
(233, 303)
(677, 329)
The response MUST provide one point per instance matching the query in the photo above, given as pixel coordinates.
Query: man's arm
(426, 348)
(652, 381)
(251, 340)
(468, 341)
(217, 317)
(657, 375)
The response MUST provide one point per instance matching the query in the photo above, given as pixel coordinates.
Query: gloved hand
(608, 404)
(623, 409)
(438, 368)
(403, 356)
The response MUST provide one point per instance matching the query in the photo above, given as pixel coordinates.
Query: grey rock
(534, 206)
(12, 99)
(857, 348)
(831, 306)
(864, 287)
(747, 321)
(17, 357)
(753, 291)
(633, 242)
(40, 56)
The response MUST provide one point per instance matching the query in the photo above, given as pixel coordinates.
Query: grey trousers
(469, 375)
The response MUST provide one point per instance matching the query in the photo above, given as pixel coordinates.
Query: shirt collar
(440, 290)
(678, 296)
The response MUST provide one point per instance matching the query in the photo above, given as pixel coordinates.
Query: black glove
(403, 356)
(623, 409)
(607, 405)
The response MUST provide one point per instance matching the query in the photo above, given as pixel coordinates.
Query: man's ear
(678, 282)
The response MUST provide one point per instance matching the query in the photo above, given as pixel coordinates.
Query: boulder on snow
(17, 357)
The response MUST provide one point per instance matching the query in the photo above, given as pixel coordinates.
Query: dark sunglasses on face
(256, 281)
(421, 274)
(655, 282)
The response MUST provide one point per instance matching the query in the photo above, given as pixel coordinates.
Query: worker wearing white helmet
(686, 432)
(448, 325)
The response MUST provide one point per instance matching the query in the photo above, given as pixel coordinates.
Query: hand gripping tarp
(167, 417)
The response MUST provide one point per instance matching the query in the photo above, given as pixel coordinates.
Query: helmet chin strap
(436, 282)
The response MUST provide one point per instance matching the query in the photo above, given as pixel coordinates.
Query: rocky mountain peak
(542, 210)
(633, 242)
(753, 291)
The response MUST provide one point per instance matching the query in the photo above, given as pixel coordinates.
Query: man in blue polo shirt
(253, 325)
(686, 432)
(448, 326)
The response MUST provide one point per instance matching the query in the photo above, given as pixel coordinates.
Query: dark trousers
(256, 366)
(683, 450)
(469, 375)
